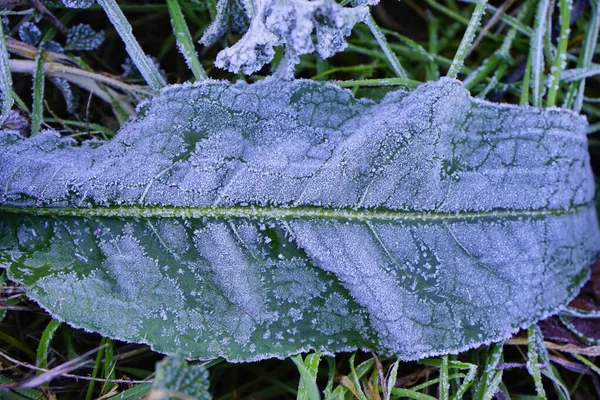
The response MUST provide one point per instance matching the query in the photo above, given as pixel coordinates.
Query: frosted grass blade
(184, 40)
(37, 108)
(382, 41)
(536, 53)
(469, 36)
(123, 28)
(5, 80)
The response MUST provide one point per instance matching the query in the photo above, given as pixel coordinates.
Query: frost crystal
(288, 23)
(254, 221)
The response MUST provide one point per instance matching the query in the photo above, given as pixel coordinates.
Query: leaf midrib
(258, 212)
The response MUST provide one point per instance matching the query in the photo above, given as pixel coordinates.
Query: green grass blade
(134, 393)
(37, 108)
(378, 82)
(560, 59)
(41, 359)
(579, 313)
(488, 384)
(11, 341)
(591, 39)
(133, 48)
(391, 380)
(184, 40)
(354, 376)
(524, 99)
(109, 365)
(382, 41)
(499, 57)
(588, 363)
(533, 359)
(448, 12)
(579, 74)
(444, 385)
(411, 394)
(536, 53)
(99, 356)
(307, 388)
(468, 380)
(5, 80)
(467, 40)
(432, 71)
(327, 393)
(576, 332)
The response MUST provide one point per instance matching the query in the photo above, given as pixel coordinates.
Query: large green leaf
(253, 221)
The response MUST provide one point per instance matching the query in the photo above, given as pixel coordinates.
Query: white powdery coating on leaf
(279, 143)
(497, 226)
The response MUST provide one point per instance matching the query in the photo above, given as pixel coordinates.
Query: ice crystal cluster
(254, 221)
(288, 23)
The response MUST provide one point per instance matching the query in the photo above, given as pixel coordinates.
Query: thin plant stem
(37, 108)
(560, 60)
(444, 384)
(381, 40)
(588, 51)
(536, 53)
(469, 36)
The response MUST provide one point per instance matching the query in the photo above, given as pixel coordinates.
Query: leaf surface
(254, 221)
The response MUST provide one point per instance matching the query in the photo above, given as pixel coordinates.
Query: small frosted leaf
(30, 33)
(83, 37)
(53, 46)
(67, 92)
(230, 17)
(176, 379)
(253, 221)
(77, 3)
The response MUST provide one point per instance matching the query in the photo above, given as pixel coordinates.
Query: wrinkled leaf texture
(254, 221)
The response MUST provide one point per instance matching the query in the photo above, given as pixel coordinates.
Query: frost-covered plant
(288, 23)
(249, 221)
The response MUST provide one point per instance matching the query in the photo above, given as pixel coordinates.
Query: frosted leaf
(288, 23)
(175, 376)
(67, 92)
(53, 46)
(230, 17)
(251, 52)
(83, 37)
(77, 3)
(30, 33)
(253, 221)
(16, 121)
